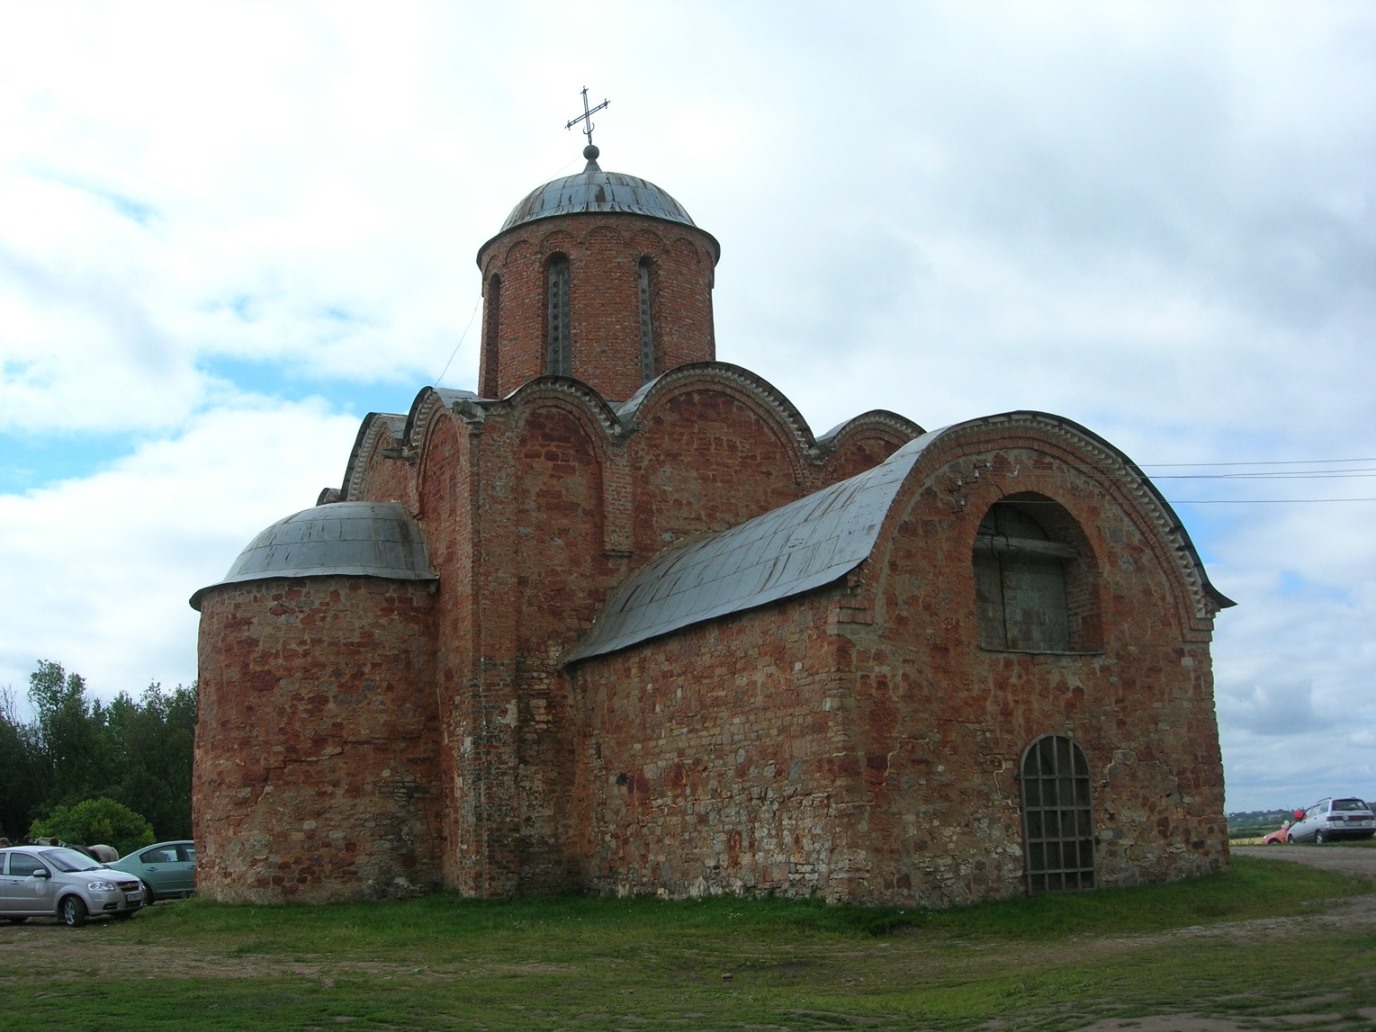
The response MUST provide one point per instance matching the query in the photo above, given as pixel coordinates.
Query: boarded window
(1058, 827)
(1035, 590)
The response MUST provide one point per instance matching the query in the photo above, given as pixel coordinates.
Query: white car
(1331, 819)
(54, 881)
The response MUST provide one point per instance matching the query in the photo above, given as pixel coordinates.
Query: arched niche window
(647, 325)
(558, 339)
(492, 323)
(1057, 816)
(1036, 586)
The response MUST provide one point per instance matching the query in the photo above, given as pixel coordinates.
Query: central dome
(599, 276)
(593, 190)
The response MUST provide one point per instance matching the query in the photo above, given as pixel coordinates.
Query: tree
(94, 821)
(73, 753)
(19, 770)
(136, 752)
(155, 737)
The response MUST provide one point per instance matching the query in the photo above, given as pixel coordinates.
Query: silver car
(1331, 819)
(54, 881)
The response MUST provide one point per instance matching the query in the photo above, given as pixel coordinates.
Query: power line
(1257, 462)
(1262, 501)
(1297, 474)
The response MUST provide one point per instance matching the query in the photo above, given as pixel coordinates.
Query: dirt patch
(1359, 912)
(1361, 862)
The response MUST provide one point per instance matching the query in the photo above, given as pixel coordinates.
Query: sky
(228, 231)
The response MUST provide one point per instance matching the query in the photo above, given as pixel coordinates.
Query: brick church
(619, 622)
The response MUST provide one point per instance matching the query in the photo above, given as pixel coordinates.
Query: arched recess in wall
(1036, 580)
(1057, 816)
(557, 514)
(712, 450)
(440, 475)
(558, 333)
(646, 283)
(492, 325)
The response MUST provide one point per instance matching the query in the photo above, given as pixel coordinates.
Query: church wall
(604, 253)
(513, 507)
(551, 481)
(945, 722)
(446, 473)
(561, 581)
(683, 277)
(859, 744)
(316, 769)
(388, 479)
(717, 761)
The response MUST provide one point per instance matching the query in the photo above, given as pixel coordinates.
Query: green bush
(94, 821)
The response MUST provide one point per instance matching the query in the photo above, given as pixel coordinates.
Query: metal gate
(1058, 828)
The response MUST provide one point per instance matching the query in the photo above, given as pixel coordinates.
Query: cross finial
(590, 152)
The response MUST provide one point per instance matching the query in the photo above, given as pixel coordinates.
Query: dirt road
(1360, 912)
(1352, 861)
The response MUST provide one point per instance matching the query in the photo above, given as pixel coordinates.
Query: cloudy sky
(229, 231)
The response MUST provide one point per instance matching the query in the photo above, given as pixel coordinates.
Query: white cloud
(97, 572)
(1153, 219)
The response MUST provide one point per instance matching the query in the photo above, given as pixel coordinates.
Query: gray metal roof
(364, 539)
(593, 190)
(797, 547)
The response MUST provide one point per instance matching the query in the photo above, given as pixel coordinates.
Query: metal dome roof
(593, 190)
(361, 539)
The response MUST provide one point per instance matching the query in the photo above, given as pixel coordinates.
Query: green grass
(1050, 962)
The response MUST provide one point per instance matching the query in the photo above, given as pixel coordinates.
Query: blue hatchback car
(167, 869)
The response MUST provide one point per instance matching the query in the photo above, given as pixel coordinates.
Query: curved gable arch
(379, 433)
(738, 382)
(428, 404)
(584, 406)
(567, 390)
(862, 442)
(965, 469)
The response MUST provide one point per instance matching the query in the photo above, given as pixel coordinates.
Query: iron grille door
(1058, 828)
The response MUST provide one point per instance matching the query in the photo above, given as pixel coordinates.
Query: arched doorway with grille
(1058, 826)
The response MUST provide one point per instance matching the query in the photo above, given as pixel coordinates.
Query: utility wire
(1262, 501)
(462, 335)
(1257, 462)
(1228, 473)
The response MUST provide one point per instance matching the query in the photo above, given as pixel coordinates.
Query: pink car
(1278, 838)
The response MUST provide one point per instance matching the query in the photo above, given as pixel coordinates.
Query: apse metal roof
(792, 549)
(364, 539)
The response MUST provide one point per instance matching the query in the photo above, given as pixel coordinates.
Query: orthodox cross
(586, 116)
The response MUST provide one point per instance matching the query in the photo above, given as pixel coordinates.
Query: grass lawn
(1248, 944)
